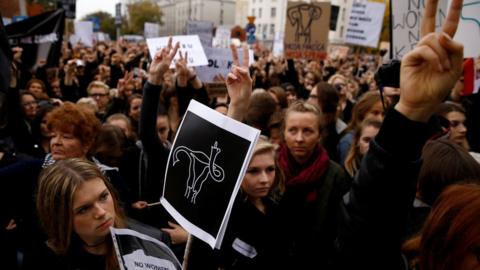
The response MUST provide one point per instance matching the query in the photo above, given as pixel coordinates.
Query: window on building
(272, 29)
(260, 13)
(273, 12)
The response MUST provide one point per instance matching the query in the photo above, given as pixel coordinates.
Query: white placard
(365, 23)
(222, 37)
(406, 21)
(219, 63)
(190, 44)
(151, 30)
(468, 32)
(278, 43)
(84, 32)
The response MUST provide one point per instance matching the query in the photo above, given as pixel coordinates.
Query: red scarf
(303, 174)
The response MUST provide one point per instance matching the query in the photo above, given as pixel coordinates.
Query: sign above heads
(406, 20)
(151, 30)
(204, 30)
(190, 44)
(69, 7)
(306, 30)
(84, 32)
(468, 32)
(220, 62)
(365, 23)
(205, 171)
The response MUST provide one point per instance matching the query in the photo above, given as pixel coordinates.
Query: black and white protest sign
(365, 23)
(189, 44)
(205, 168)
(39, 36)
(139, 251)
(406, 20)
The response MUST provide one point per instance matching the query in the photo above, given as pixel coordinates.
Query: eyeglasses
(98, 95)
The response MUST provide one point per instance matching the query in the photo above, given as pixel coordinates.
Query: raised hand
(429, 71)
(161, 63)
(239, 84)
(182, 70)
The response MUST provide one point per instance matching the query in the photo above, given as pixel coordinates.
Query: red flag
(469, 73)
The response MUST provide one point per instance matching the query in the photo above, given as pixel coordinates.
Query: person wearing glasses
(99, 91)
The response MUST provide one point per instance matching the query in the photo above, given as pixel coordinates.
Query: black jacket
(374, 213)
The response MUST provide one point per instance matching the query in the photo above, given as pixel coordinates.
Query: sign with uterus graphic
(206, 165)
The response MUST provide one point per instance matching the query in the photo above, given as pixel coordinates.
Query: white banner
(190, 44)
(219, 64)
(468, 32)
(365, 23)
(84, 33)
(406, 20)
(151, 30)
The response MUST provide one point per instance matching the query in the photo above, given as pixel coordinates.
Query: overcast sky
(85, 7)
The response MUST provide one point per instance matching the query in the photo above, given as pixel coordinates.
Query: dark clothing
(185, 94)
(310, 209)
(79, 259)
(253, 240)
(374, 213)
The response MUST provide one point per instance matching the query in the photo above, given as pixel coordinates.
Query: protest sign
(365, 23)
(222, 37)
(406, 20)
(306, 30)
(338, 51)
(39, 36)
(278, 43)
(151, 30)
(84, 32)
(139, 251)
(69, 7)
(216, 89)
(220, 62)
(204, 30)
(190, 44)
(204, 171)
(468, 32)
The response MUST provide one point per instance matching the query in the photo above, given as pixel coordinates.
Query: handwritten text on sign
(365, 23)
(406, 21)
(190, 44)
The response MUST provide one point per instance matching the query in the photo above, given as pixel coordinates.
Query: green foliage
(140, 12)
(107, 22)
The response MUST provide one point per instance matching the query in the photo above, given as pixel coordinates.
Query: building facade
(178, 12)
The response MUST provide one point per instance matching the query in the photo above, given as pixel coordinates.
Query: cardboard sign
(204, 30)
(338, 51)
(220, 62)
(190, 44)
(468, 32)
(406, 21)
(365, 23)
(306, 30)
(151, 30)
(205, 171)
(84, 33)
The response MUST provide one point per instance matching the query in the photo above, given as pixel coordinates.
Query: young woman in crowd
(314, 188)
(455, 114)
(363, 134)
(368, 106)
(77, 205)
(252, 238)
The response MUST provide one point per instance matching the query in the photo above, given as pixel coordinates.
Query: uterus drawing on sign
(301, 18)
(201, 167)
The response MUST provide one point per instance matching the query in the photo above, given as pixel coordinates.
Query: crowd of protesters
(336, 180)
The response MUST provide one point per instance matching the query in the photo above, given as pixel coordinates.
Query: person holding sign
(373, 215)
(77, 205)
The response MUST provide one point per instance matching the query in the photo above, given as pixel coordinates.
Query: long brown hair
(452, 229)
(57, 186)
